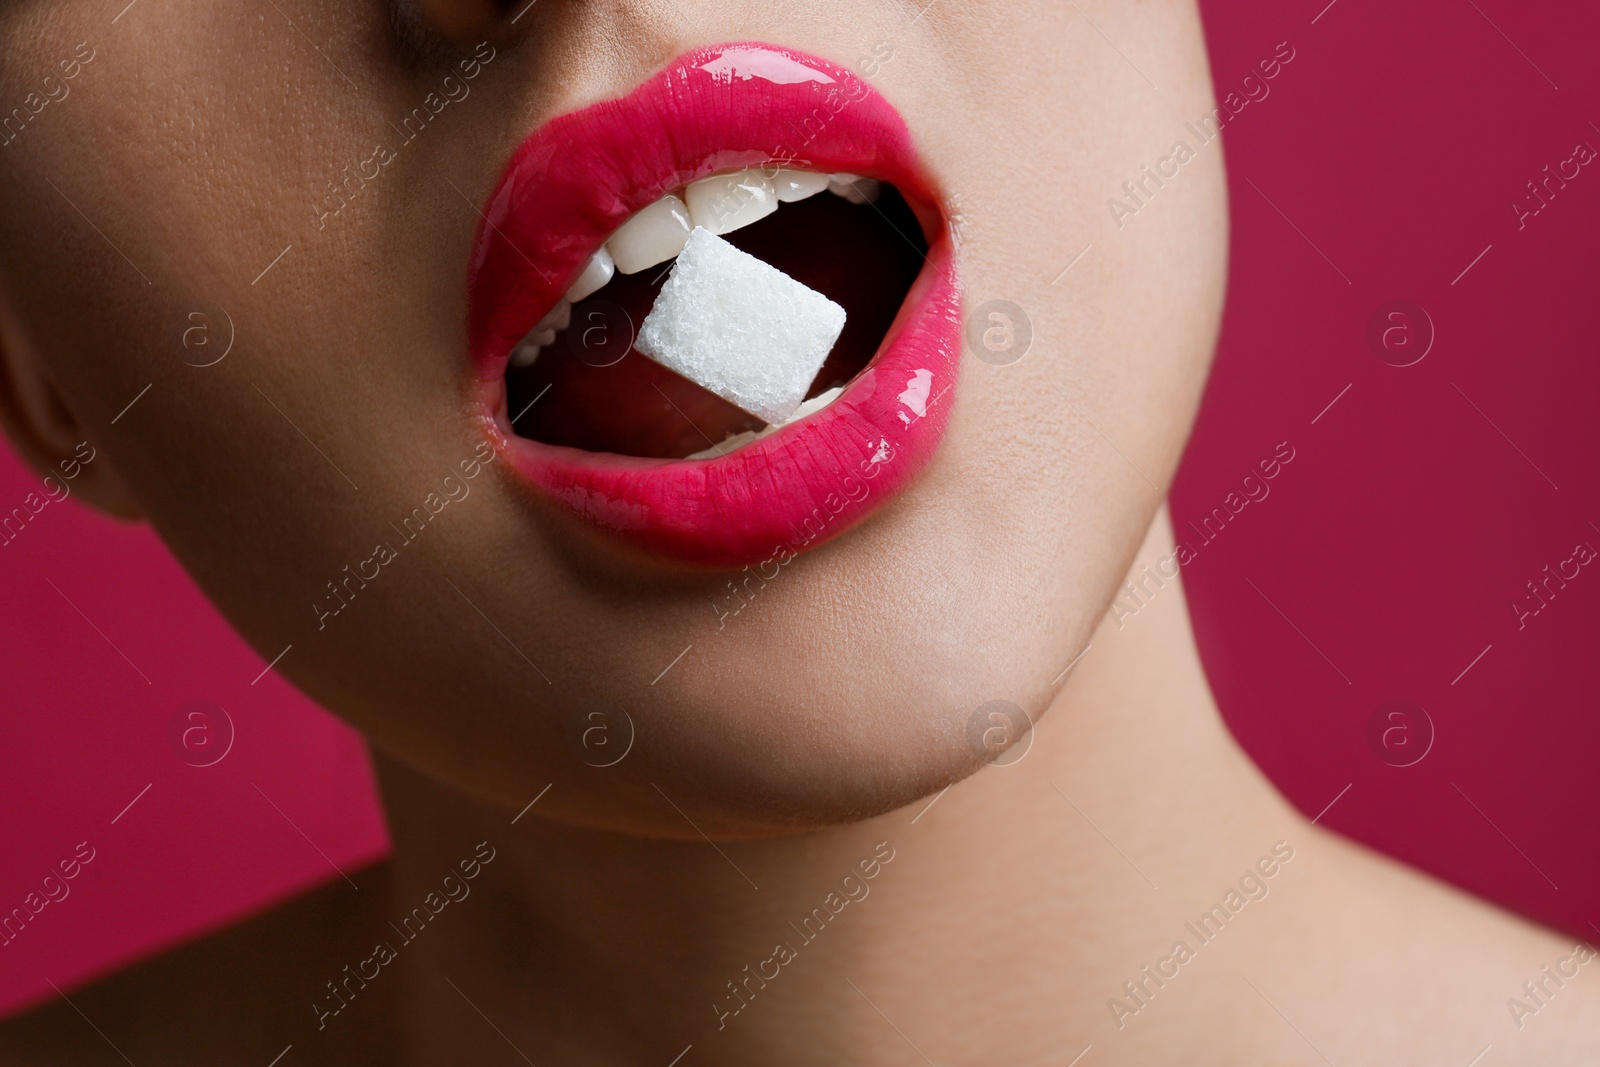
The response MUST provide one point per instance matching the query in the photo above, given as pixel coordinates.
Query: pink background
(1384, 560)
(86, 733)
(1398, 538)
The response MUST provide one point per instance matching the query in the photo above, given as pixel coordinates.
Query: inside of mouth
(591, 390)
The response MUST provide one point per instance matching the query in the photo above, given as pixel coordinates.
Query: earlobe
(44, 430)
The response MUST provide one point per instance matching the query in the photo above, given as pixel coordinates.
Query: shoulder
(242, 994)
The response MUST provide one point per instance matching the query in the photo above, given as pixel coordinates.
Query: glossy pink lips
(580, 176)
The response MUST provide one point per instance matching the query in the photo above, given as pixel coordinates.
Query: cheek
(297, 457)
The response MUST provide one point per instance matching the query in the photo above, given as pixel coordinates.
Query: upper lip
(573, 181)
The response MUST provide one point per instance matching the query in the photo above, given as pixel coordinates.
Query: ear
(44, 430)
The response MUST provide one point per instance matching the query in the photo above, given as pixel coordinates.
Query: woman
(665, 708)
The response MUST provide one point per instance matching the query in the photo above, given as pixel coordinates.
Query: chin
(773, 721)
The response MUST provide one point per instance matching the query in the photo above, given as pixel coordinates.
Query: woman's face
(286, 231)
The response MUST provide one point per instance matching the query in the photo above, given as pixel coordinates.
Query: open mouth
(718, 316)
(855, 242)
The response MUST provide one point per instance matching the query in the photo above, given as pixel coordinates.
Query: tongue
(603, 399)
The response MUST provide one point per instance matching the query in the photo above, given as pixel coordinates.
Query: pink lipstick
(611, 441)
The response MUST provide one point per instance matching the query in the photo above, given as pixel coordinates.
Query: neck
(1132, 808)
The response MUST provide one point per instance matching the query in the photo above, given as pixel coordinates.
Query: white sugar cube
(740, 327)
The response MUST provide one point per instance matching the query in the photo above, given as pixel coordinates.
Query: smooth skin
(820, 722)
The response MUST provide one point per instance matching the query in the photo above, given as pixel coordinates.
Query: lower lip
(717, 109)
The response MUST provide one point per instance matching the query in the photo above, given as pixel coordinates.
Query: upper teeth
(721, 203)
(653, 236)
(728, 202)
(854, 188)
(795, 185)
(594, 275)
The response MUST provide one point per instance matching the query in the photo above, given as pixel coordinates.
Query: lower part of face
(211, 170)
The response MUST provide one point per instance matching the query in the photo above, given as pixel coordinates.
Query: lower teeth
(739, 440)
(543, 335)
